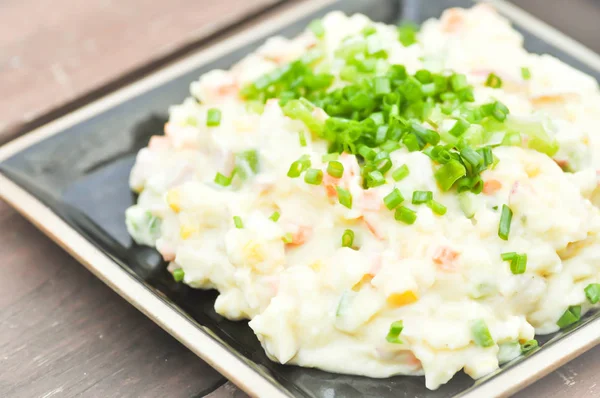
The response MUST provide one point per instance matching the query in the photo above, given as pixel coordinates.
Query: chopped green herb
(592, 292)
(213, 117)
(505, 221)
(405, 215)
(481, 334)
(178, 275)
(570, 316)
(393, 199)
(393, 335)
(344, 196)
(348, 238)
(238, 222)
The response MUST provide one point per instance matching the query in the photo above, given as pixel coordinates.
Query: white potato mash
(443, 247)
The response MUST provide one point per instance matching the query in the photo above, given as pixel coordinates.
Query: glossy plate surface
(71, 179)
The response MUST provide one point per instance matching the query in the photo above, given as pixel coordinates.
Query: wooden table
(63, 333)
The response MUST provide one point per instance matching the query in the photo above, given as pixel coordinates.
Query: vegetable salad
(383, 200)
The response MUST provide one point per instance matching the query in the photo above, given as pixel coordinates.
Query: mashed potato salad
(383, 200)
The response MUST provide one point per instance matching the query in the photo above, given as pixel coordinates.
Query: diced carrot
(453, 20)
(372, 228)
(491, 186)
(301, 236)
(401, 299)
(444, 258)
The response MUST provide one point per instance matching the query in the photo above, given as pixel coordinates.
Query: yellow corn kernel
(174, 200)
(185, 231)
(400, 299)
(253, 252)
(366, 278)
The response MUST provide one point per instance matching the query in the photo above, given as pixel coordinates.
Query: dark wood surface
(63, 333)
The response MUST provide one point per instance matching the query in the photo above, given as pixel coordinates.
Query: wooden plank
(54, 51)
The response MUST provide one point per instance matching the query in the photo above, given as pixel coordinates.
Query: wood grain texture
(63, 333)
(54, 51)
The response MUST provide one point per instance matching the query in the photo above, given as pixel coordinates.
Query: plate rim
(176, 323)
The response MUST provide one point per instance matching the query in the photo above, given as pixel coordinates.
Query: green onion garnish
(313, 176)
(178, 274)
(405, 215)
(302, 138)
(297, 167)
(222, 180)
(335, 169)
(481, 334)
(393, 335)
(525, 73)
(493, 81)
(348, 238)
(518, 264)
(345, 197)
(449, 173)
(287, 238)
(570, 316)
(407, 33)
(237, 220)
(375, 179)
(505, 220)
(508, 256)
(275, 216)
(400, 173)
(393, 199)
(592, 292)
(529, 346)
(213, 117)
(437, 207)
(459, 127)
(420, 197)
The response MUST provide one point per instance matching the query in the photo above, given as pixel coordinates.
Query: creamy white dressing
(314, 303)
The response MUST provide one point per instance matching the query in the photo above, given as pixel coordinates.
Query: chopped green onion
(375, 179)
(316, 26)
(393, 199)
(459, 127)
(237, 220)
(313, 176)
(508, 256)
(222, 180)
(481, 334)
(505, 220)
(345, 197)
(246, 163)
(529, 346)
(525, 73)
(400, 173)
(405, 215)
(471, 156)
(570, 316)
(303, 111)
(393, 335)
(348, 238)
(449, 173)
(302, 138)
(191, 121)
(458, 81)
(297, 167)
(287, 238)
(382, 85)
(592, 292)
(178, 274)
(275, 216)
(407, 33)
(420, 197)
(213, 117)
(493, 81)
(518, 264)
(437, 207)
(335, 169)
